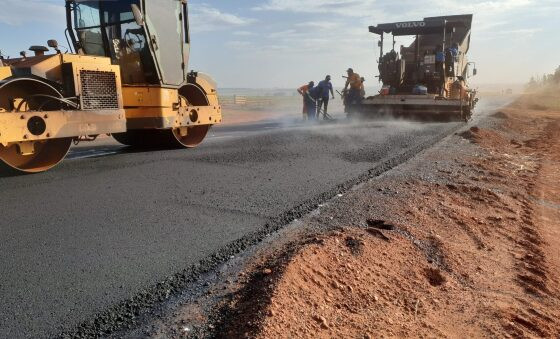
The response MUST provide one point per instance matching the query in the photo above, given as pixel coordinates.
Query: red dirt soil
(479, 257)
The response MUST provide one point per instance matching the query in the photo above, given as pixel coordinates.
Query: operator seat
(92, 42)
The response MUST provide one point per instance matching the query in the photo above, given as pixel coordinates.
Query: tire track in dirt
(533, 270)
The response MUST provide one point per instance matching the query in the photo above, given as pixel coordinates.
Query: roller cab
(165, 104)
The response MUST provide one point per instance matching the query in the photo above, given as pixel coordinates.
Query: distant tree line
(545, 80)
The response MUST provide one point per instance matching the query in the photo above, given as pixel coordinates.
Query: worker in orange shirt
(353, 87)
(303, 91)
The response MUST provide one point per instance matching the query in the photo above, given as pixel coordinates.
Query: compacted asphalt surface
(109, 222)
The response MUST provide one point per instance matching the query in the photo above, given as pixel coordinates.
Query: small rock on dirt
(322, 321)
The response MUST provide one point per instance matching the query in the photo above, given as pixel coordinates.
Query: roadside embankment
(462, 241)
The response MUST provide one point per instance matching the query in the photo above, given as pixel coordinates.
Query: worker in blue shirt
(440, 67)
(454, 51)
(325, 88)
(451, 54)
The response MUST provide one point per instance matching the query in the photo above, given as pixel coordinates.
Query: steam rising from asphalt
(352, 133)
(286, 116)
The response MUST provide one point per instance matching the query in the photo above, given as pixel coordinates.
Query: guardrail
(240, 100)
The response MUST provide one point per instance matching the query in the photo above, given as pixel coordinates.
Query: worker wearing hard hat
(353, 87)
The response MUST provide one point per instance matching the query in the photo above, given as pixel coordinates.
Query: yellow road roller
(126, 75)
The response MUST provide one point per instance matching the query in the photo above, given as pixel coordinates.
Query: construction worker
(451, 55)
(454, 51)
(440, 68)
(303, 91)
(440, 59)
(353, 87)
(312, 96)
(325, 88)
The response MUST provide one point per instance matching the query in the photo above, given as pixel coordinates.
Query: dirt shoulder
(462, 241)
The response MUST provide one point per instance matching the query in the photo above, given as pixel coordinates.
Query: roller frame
(60, 124)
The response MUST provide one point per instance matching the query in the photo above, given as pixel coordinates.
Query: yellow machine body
(162, 108)
(102, 105)
(127, 79)
(40, 76)
(5, 72)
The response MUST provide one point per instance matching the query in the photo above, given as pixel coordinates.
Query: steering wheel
(134, 39)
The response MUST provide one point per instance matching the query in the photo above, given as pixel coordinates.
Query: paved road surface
(107, 223)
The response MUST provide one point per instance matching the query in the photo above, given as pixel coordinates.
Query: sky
(285, 43)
